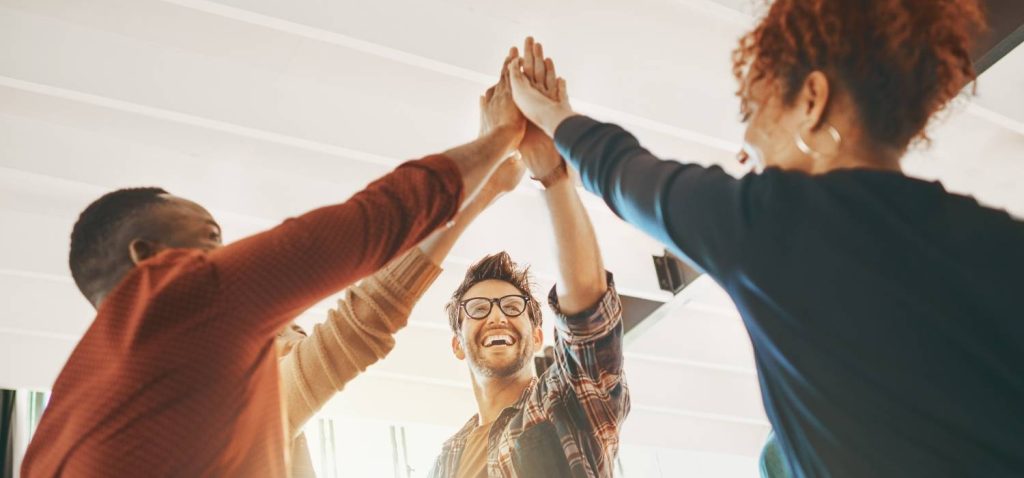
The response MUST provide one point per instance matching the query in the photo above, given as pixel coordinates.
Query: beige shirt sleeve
(359, 332)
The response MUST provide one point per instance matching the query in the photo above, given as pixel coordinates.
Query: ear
(141, 249)
(457, 349)
(813, 98)
(538, 337)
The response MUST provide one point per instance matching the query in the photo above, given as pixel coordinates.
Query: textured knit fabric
(884, 311)
(178, 374)
(582, 399)
(359, 332)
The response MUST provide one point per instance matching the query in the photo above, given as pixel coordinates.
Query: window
(344, 447)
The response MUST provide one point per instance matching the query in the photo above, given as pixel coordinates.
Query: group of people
(881, 308)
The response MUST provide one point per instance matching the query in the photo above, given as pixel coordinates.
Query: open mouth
(499, 340)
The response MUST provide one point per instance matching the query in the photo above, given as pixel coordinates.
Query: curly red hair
(900, 60)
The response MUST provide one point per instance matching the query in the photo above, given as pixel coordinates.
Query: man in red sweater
(177, 375)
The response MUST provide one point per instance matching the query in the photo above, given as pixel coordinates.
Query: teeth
(496, 339)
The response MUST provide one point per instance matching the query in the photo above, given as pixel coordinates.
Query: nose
(497, 316)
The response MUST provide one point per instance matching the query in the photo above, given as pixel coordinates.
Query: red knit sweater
(177, 376)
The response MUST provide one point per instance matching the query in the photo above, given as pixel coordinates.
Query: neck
(104, 286)
(859, 153)
(857, 162)
(494, 394)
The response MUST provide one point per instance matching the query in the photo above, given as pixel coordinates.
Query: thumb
(516, 77)
(514, 72)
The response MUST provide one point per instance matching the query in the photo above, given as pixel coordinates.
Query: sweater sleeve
(359, 332)
(267, 279)
(700, 213)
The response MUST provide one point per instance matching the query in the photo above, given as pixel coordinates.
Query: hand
(537, 90)
(537, 149)
(497, 109)
(506, 177)
(538, 152)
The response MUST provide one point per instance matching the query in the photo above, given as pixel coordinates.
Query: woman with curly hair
(883, 310)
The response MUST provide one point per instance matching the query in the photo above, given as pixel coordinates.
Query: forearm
(549, 118)
(700, 213)
(357, 333)
(588, 359)
(582, 278)
(614, 166)
(476, 160)
(268, 278)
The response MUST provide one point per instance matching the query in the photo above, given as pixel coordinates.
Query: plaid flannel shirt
(582, 398)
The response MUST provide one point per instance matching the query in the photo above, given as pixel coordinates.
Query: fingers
(550, 79)
(528, 52)
(502, 87)
(563, 91)
(515, 75)
(513, 53)
(538, 66)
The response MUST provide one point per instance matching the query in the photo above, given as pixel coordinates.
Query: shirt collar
(474, 421)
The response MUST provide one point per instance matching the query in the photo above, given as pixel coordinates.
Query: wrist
(554, 176)
(539, 156)
(553, 117)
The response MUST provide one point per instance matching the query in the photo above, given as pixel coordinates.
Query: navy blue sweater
(885, 313)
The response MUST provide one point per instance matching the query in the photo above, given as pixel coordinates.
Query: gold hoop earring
(806, 149)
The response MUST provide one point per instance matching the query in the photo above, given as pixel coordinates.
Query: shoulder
(176, 278)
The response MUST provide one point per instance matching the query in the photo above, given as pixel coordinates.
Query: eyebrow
(214, 224)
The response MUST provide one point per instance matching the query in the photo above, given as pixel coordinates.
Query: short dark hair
(92, 253)
(501, 267)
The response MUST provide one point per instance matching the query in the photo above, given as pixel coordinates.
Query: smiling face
(497, 345)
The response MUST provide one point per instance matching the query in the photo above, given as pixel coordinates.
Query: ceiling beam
(1005, 31)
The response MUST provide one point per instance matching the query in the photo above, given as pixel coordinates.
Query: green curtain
(7, 434)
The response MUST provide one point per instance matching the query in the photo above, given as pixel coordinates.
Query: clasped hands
(528, 102)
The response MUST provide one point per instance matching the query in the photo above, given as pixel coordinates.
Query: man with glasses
(566, 422)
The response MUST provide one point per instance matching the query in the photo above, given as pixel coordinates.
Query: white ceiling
(261, 109)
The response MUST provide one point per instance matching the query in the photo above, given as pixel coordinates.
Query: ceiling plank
(1005, 32)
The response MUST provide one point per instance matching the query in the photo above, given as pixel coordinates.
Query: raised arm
(582, 279)
(502, 126)
(269, 278)
(700, 213)
(360, 330)
(505, 178)
(588, 322)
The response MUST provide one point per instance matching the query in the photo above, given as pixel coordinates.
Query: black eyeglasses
(480, 307)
